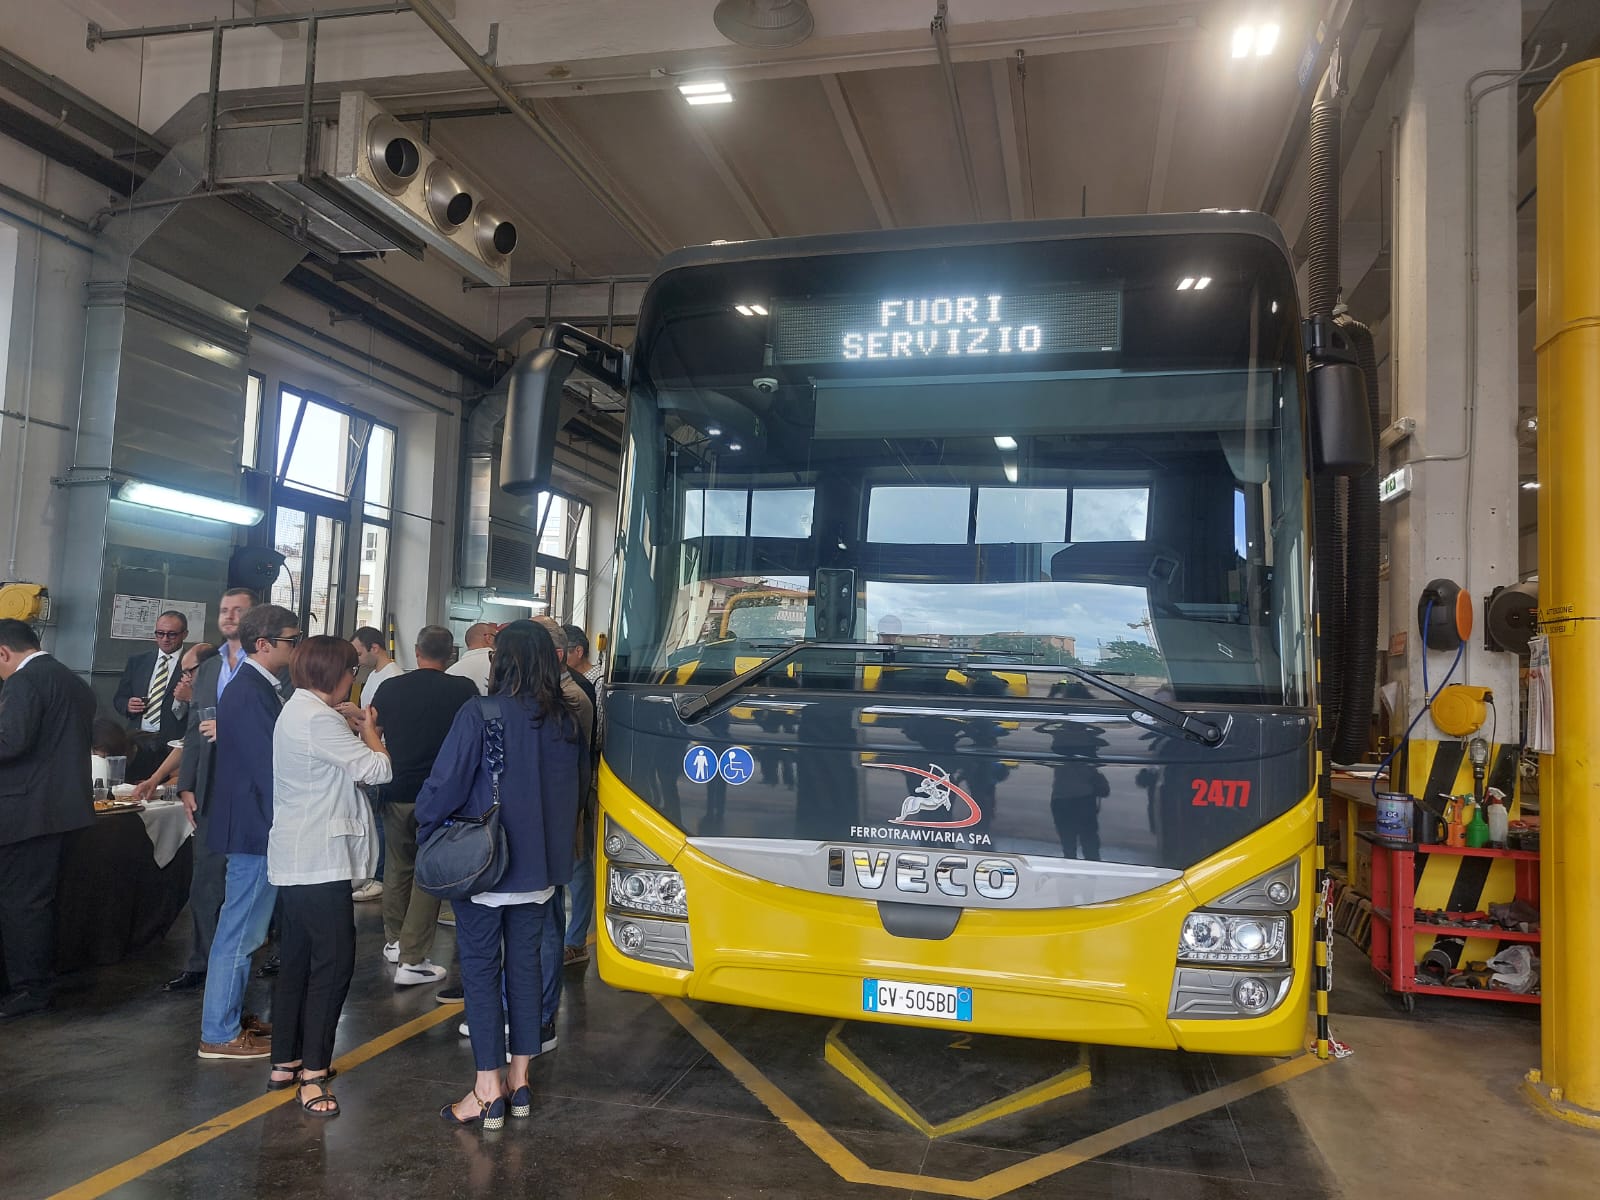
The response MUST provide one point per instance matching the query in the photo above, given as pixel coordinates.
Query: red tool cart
(1395, 927)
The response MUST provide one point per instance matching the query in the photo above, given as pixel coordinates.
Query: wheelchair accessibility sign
(735, 765)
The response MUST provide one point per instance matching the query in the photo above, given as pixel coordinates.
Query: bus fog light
(665, 943)
(1280, 892)
(1252, 996)
(658, 892)
(615, 844)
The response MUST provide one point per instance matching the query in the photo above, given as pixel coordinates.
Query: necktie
(158, 686)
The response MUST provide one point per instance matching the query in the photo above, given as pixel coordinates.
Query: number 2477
(1221, 793)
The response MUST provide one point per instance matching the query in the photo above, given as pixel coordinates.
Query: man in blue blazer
(241, 818)
(46, 713)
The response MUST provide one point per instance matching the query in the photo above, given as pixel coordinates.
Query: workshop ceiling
(1077, 106)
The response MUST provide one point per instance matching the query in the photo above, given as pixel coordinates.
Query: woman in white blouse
(322, 837)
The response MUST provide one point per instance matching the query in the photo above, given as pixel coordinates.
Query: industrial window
(249, 448)
(333, 489)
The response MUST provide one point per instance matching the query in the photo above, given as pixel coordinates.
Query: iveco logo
(953, 875)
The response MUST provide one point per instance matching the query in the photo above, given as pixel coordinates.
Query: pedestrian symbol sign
(700, 765)
(736, 765)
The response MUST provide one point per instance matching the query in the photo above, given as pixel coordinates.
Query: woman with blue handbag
(518, 750)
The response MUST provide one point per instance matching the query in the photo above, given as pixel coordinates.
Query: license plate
(938, 1001)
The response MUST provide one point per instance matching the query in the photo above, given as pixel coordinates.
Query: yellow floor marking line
(844, 1060)
(844, 1163)
(192, 1139)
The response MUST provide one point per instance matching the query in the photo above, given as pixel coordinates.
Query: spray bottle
(1499, 818)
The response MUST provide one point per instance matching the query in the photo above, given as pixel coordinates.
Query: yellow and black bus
(963, 666)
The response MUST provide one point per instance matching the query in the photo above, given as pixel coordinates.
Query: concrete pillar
(1455, 334)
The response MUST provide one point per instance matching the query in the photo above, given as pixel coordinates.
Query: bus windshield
(1065, 452)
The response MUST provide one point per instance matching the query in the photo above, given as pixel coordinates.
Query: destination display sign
(909, 327)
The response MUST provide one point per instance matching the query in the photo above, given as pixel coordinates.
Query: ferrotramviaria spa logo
(935, 790)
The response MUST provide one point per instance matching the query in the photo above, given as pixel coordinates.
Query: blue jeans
(241, 928)
(481, 932)
(582, 898)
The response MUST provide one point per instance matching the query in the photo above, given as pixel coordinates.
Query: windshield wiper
(702, 705)
(1196, 729)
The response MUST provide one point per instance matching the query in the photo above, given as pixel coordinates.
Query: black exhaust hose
(1322, 243)
(1361, 573)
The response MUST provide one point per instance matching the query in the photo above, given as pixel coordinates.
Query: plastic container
(1499, 819)
(1394, 815)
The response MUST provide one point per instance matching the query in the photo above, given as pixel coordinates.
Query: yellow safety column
(1568, 347)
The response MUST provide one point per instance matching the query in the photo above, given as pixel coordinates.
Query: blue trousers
(498, 947)
(582, 915)
(241, 928)
(550, 959)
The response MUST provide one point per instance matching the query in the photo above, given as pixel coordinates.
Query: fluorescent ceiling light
(1266, 40)
(1186, 283)
(1244, 37)
(714, 98)
(537, 606)
(744, 310)
(1202, 283)
(1011, 472)
(1530, 485)
(713, 430)
(759, 309)
(703, 87)
(735, 446)
(188, 504)
(1274, 306)
(1005, 442)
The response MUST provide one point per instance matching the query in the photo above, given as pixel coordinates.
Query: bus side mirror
(533, 410)
(1340, 429)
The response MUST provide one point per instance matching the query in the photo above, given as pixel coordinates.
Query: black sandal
(324, 1097)
(278, 1085)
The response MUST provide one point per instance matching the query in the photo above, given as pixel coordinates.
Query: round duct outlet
(392, 154)
(449, 203)
(766, 24)
(495, 236)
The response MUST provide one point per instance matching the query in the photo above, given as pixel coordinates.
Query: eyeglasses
(293, 641)
(169, 633)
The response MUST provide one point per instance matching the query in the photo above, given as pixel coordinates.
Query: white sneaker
(370, 890)
(391, 951)
(408, 974)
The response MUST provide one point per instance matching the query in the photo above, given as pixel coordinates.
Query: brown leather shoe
(242, 1048)
(250, 1023)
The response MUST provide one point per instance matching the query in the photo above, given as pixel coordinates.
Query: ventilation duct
(372, 187)
(173, 280)
(764, 24)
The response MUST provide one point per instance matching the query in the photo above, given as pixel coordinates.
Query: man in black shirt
(415, 711)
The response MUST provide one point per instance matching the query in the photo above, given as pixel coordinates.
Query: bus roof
(929, 237)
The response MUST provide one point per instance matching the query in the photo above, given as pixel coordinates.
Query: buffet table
(113, 900)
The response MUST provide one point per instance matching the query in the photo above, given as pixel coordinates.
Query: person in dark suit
(46, 714)
(241, 820)
(194, 787)
(145, 692)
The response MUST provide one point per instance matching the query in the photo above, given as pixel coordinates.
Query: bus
(963, 661)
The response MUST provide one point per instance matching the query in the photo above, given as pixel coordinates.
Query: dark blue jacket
(241, 780)
(538, 790)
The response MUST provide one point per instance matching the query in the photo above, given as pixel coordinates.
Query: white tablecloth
(168, 826)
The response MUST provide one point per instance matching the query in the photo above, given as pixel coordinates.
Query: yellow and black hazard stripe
(1453, 883)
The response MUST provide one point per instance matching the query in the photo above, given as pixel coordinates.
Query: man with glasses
(247, 710)
(188, 666)
(145, 693)
(196, 774)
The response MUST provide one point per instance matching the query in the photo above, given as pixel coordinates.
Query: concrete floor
(689, 1101)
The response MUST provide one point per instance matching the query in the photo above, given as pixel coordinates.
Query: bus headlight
(1210, 937)
(658, 892)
